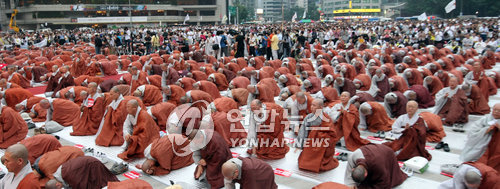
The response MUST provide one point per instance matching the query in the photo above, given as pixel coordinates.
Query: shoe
(88, 151)
(36, 131)
(119, 168)
(344, 157)
(408, 171)
(57, 137)
(446, 148)
(377, 135)
(449, 168)
(339, 157)
(439, 145)
(382, 134)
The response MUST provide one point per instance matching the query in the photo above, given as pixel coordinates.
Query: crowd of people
(175, 96)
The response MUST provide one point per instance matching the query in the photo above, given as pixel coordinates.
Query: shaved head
(496, 111)
(230, 170)
(45, 104)
(359, 174)
(472, 178)
(18, 151)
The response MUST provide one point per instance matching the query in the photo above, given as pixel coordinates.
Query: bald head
(411, 107)
(472, 178)
(45, 104)
(496, 111)
(132, 106)
(230, 170)
(359, 174)
(18, 151)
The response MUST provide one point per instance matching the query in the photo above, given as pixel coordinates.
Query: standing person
(147, 42)
(286, 45)
(274, 45)
(268, 47)
(240, 45)
(223, 45)
(128, 40)
(155, 41)
(253, 44)
(98, 44)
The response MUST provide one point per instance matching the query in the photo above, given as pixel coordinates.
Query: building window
(365, 1)
(356, 1)
(207, 13)
(374, 1)
(356, 7)
(375, 7)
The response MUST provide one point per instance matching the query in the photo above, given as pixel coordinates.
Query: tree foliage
(436, 7)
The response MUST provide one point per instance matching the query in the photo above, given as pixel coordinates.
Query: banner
(123, 19)
(355, 10)
(106, 7)
(422, 17)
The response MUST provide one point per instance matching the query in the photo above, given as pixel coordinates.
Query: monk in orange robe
(72, 93)
(19, 173)
(173, 94)
(139, 130)
(225, 104)
(229, 127)
(220, 80)
(435, 132)
(433, 84)
(13, 96)
(27, 104)
(111, 128)
(134, 78)
(160, 113)
(17, 78)
(130, 184)
(40, 144)
(13, 127)
(346, 120)
(317, 139)
(267, 143)
(477, 104)
(92, 109)
(208, 87)
(374, 117)
(149, 94)
(47, 164)
(61, 111)
(165, 154)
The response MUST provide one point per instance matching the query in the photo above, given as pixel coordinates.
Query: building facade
(33, 14)
(343, 9)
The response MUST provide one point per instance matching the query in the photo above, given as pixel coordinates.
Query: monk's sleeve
(362, 121)
(477, 140)
(10, 125)
(351, 163)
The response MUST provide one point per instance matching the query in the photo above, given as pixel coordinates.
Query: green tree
(290, 12)
(436, 7)
(243, 11)
(312, 11)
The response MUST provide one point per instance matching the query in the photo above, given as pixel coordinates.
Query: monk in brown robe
(239, 82)
(160, 113)
(165, 154)
(92, 109)
(169, 75)
(65, 79)
(473, 175)
(130, 184)
(345, 85)
(225, 104)
(40, 144)
(149, 94)
(82, 172)
(345, 117)
(135, 78)
(373, 165)
(61, 111)
(482, 143)
(261, 92)
(37, 113)
(139, 130)
(219, 79)
(451, 104)
(328, 185)
(435, 131)
(239, 95)
(410, 133)
(207, 87)
(173, 94)
(19, 173)
(13, 127)
(373, 117)
(476, 103)
(4, 85)
(47, 164)
(249, 173)
(266, 136)
(433, 84)
(27, 104)
(420, 94)
(17, 78)
(394, 104)
(111, 128)
(478, 77)
(229, 127)
(317, 138)
(209, 153)
(72, 93)
(13, 96)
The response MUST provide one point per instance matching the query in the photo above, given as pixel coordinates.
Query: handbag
(215, 46)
